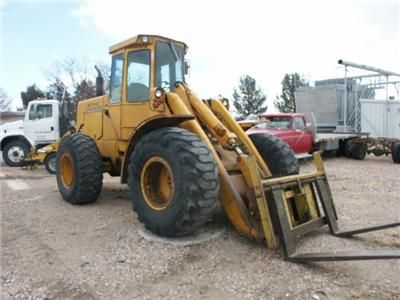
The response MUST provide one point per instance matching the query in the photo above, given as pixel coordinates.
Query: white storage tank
(380, 118)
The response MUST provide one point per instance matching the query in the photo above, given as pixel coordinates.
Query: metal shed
(380, 118)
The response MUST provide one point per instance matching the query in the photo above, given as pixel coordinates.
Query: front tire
(278, 156)
(174, 182)
(14, 152)
(79, 169)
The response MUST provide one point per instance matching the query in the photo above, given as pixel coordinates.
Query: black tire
(358, 153)
(194, 175)
(348, 148)
(14, 152)
(50, 163)
(355, 151)
(80, 154)
(396, 153)
(276, 153)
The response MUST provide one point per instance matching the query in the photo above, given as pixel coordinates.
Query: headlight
(158, 93)
(145, 39)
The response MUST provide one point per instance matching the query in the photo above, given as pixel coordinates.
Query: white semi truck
(43, 124)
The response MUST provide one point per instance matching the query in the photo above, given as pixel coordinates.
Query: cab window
(169, 65)
(138, 81)
(32, 112)
(299, 123)
(117, 68)
(40, 111)
(44, 111)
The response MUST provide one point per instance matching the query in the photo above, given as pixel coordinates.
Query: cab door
(303, 136)
(42, 124)
(135, 103)
(111, 113)
(112, 105)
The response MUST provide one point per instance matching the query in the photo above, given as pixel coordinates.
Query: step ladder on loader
(301, 204)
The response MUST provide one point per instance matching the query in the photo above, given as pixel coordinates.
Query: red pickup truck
(294, 130)
(290, 127)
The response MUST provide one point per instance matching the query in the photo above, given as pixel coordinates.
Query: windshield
(275, 123)
(169, 65)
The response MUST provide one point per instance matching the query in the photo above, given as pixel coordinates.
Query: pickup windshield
(275, 122)
(169, 65)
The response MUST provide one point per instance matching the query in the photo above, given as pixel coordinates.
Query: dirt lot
(53, 250)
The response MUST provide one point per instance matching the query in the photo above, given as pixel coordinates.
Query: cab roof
(140, 40)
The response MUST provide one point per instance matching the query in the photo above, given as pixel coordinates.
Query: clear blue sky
(35, 34)
(227, 39)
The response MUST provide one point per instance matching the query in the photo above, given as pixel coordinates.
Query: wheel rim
(157, 183)
(16, 154)
(52, 163)
(66, 170)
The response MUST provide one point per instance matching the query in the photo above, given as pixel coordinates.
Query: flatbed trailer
(332, 141)
(358, 145)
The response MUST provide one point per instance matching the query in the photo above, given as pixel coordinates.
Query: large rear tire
(396, 153)
(276, 153)
(174, 182)
(79, 169)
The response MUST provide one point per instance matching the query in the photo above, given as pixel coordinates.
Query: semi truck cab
(40, 127)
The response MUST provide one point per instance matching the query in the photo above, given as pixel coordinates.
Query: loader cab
(143, 63)
(140, 66)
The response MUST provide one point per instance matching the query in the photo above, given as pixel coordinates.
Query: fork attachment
(304, 203)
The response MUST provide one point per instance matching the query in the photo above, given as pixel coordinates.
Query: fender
(148, 126)
(11, 137)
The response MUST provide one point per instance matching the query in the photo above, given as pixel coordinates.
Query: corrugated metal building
(326, 102)
(380, 118)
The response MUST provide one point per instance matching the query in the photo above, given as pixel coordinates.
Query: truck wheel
(276, 153)
(354, 151)
(14, 152)
(174, 182)
(396, 153)
(358, 153)
(50, 163)
(348, 148)
(79, 169)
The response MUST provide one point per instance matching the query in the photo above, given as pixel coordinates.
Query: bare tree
(78, 76)
(76, 70)
(5, 101)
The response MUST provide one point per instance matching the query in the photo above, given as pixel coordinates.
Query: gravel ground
(53, 250)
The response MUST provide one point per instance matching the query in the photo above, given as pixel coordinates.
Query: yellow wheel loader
(180, 155)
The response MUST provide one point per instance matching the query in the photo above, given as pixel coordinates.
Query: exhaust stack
(99, 82)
